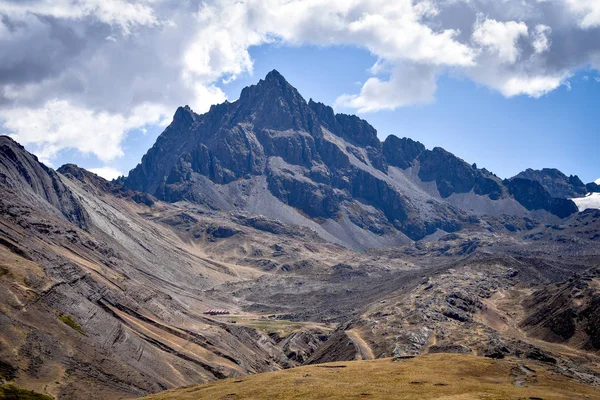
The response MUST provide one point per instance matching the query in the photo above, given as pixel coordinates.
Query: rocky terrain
(321, 242)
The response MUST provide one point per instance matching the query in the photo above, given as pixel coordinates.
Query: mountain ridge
(331, 168)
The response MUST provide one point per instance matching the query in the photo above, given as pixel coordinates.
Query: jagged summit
(271, 152)
(350, 127)
(274, 75)
(274, 104)
(555, 182)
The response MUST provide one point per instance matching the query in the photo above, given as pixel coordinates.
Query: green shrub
(11, 392)
(67, 319)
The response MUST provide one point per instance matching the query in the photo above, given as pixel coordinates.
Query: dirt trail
(365, 350)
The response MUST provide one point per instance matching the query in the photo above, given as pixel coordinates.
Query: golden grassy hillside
(435, 376)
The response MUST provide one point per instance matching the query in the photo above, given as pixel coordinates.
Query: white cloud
(541, 42)
(409, 84)
(125, 14)
(535, 86)
(587, 10)
(82, 73)
(500, 37)
(108, 173)
(61, 125)
(598, 181)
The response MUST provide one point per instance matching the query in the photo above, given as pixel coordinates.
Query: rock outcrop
(533, 196)
(567, 312)
(556, 183)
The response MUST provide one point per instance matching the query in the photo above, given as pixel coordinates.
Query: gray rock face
(40, 185)
(453, 175)
(450, 173)
(313, 160)
(327, 166)
(402, 153)
(556, 183)
(592, 187)
(533, 196)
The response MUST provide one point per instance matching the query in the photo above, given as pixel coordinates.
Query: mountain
(593, 187)
(533, 196)
(313, 240)
(556, 183)
(273, 153)
(554, 187)
(37, 185)
(101, 298)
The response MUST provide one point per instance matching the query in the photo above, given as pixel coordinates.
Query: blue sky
(508, 85)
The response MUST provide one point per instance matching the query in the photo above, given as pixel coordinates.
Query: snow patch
(592, 200)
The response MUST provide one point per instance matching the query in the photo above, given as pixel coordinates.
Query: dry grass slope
(435, 376)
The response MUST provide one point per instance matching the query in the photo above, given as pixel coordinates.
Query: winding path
(365, 350)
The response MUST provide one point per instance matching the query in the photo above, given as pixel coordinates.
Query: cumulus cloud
(58, 125)
(587, 10)
(541, 41)
(409, 84)
(118, 12)
(81, 74)
(500, 38)
(108, 173)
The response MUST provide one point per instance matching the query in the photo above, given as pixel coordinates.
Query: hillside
(436, 376)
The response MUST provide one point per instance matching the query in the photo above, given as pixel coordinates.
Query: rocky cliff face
(556, 183)
(450, 173)
(592, 187)
(271, 149)
(21, 173)
(533, 196)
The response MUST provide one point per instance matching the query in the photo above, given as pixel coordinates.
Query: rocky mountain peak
(402, 153)
(555, 182)
(274, 77)
(274, 104)
(349, 127)
(272, 153)
(185, 115)
(23, 175)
